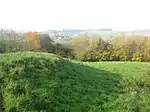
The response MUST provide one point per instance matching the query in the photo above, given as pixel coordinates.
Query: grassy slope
(40, 81)
(135, 81)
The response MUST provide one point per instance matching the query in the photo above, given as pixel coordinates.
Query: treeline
(10, 41)
(82, 47)
(121, 48)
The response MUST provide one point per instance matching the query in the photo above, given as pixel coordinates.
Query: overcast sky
(79, 14)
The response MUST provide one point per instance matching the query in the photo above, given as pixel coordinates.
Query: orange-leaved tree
(32, 41)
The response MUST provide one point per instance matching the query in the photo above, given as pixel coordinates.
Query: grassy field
(41, 82)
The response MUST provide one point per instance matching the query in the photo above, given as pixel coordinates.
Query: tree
(108, 52)
(88, 48)
(10, 41)
(121, 53)
(97, 46)
(32, 41)
(80, 45)
(46, 42)
(147, 50)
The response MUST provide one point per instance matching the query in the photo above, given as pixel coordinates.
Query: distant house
(59, 38)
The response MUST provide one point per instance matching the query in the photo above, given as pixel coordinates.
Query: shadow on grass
(40, 84)
(87, 88)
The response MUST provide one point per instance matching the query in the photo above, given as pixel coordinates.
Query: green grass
(42, 82)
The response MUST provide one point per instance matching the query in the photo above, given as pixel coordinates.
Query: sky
(41, 15)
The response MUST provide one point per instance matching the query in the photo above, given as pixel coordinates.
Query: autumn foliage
(32, 36)
(32, 41)
(122, 48)
(81, 47)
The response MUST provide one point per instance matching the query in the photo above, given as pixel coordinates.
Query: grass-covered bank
(41, 81)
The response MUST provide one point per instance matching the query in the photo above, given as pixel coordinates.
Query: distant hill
(100, 32)
(104, 33)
